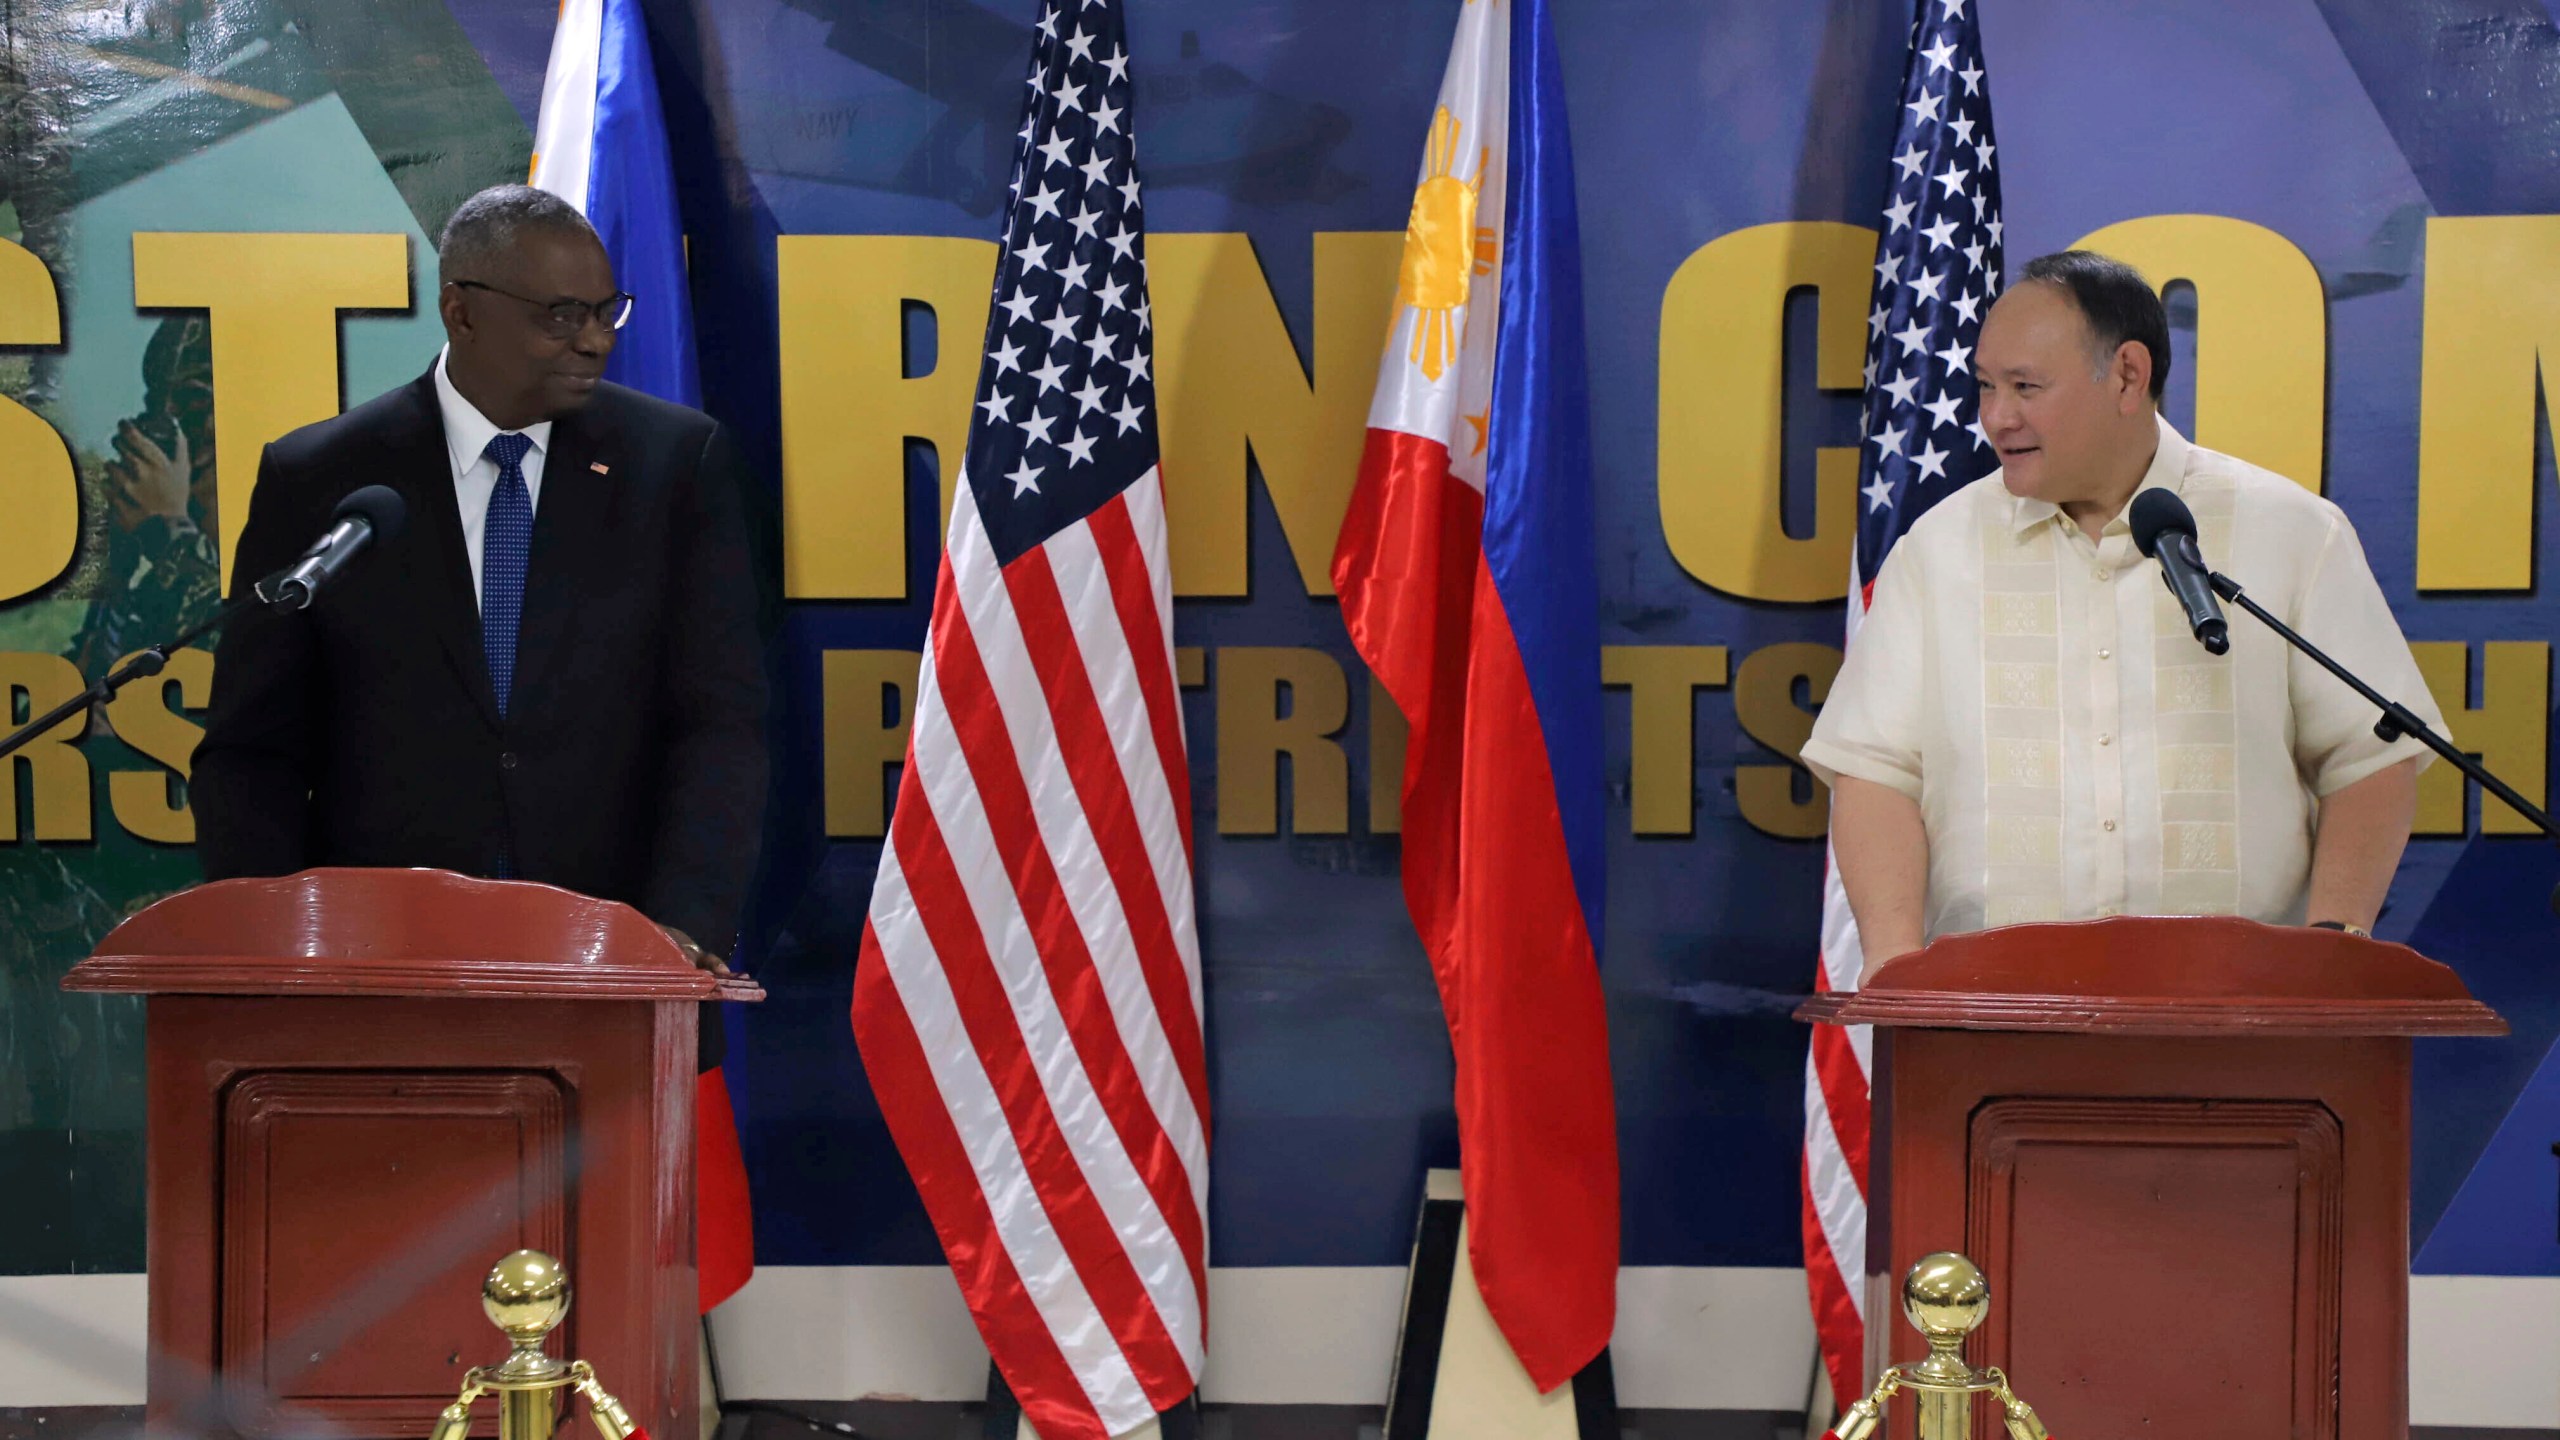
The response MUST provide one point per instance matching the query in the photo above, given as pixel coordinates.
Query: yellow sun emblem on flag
(1443, 248)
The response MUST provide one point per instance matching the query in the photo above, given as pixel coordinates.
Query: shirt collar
(2168, 470)
(467, 432)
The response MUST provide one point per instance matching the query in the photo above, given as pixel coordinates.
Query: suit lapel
(572, 534)
(439, 565)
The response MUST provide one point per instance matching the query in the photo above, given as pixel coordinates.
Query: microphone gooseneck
(2165, 530)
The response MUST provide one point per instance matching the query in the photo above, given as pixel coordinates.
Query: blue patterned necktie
(506, 544)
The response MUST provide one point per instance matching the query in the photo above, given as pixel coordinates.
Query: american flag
(1027, 1001)
(1937, 266)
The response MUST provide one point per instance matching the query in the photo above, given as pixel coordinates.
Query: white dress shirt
(2074, 751)
(467, 433)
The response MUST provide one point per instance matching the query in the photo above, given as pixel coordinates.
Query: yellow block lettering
(1663, 681)
(849, 407)
(868, 700)
(38, 490)
(274, 301)
(1764, 701)
(143, 800)
(1722, 381)
(1230, 383)
(1275, 701)
(31, 684)
(2493, 325)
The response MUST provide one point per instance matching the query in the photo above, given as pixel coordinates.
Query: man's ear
(456, 315)
(2131, 375)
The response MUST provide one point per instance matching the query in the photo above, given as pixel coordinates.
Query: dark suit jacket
(363, 731)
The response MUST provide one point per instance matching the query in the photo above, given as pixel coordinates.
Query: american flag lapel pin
(600, 467)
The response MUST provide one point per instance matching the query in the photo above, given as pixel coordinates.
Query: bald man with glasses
(556, 673)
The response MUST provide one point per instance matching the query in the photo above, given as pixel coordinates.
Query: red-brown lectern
(2179, 1148)
(367, 1085)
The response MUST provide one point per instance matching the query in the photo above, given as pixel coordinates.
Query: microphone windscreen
(381, 507)
(2157, 512)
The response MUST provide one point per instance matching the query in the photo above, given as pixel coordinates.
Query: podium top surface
(395, 932)
(2216, 975)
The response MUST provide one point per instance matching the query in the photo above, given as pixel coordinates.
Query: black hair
(485, 227)
(2115, 300)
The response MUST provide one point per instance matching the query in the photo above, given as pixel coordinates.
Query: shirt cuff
(1829, 762)
(2340, 774)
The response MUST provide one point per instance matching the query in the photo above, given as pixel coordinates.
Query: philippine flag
(601, 145)
(1468, 582)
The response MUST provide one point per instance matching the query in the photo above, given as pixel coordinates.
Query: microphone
(373, 513)
(2165, 529)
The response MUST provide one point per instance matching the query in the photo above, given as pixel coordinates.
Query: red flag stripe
(1836, 1131)
(1844, 1089)
(1128, 532)
(1045, 776)
(1051, 1159)
(1128, 549)
(1057, 985)
(1085, 745)
(1078, 644)
(1021, 1338)
(1835, 1193)
(1014, 673)
(1834, 1306)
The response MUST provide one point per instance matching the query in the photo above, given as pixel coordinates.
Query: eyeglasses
(562, 319)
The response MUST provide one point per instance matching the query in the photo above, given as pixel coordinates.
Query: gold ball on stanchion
(1946, 1299)
(1945, 1295)
(527, 1296)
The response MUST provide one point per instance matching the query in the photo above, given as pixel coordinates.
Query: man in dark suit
(556, 673)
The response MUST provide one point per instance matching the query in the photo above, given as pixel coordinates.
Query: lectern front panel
(332, 1177)
(2215, 1223)
(2183, 1236)
(360, 1211)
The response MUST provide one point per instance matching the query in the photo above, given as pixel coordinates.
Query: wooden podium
(367, 1085)
(2179, 1149)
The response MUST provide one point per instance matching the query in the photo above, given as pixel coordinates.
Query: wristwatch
(2356, 930)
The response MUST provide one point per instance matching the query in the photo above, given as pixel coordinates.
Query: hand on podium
(702, 959)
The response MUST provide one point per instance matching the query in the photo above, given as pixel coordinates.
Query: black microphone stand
(148, 662)
(2397, 719)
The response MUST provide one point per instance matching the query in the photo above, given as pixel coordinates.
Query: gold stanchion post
(1945, 1298)
(527, 1296)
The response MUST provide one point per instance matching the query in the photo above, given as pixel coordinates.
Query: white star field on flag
(1064, 415)
(1936, 270)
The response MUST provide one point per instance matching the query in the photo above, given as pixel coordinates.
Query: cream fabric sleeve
(2343, 612)
(1875, 721)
